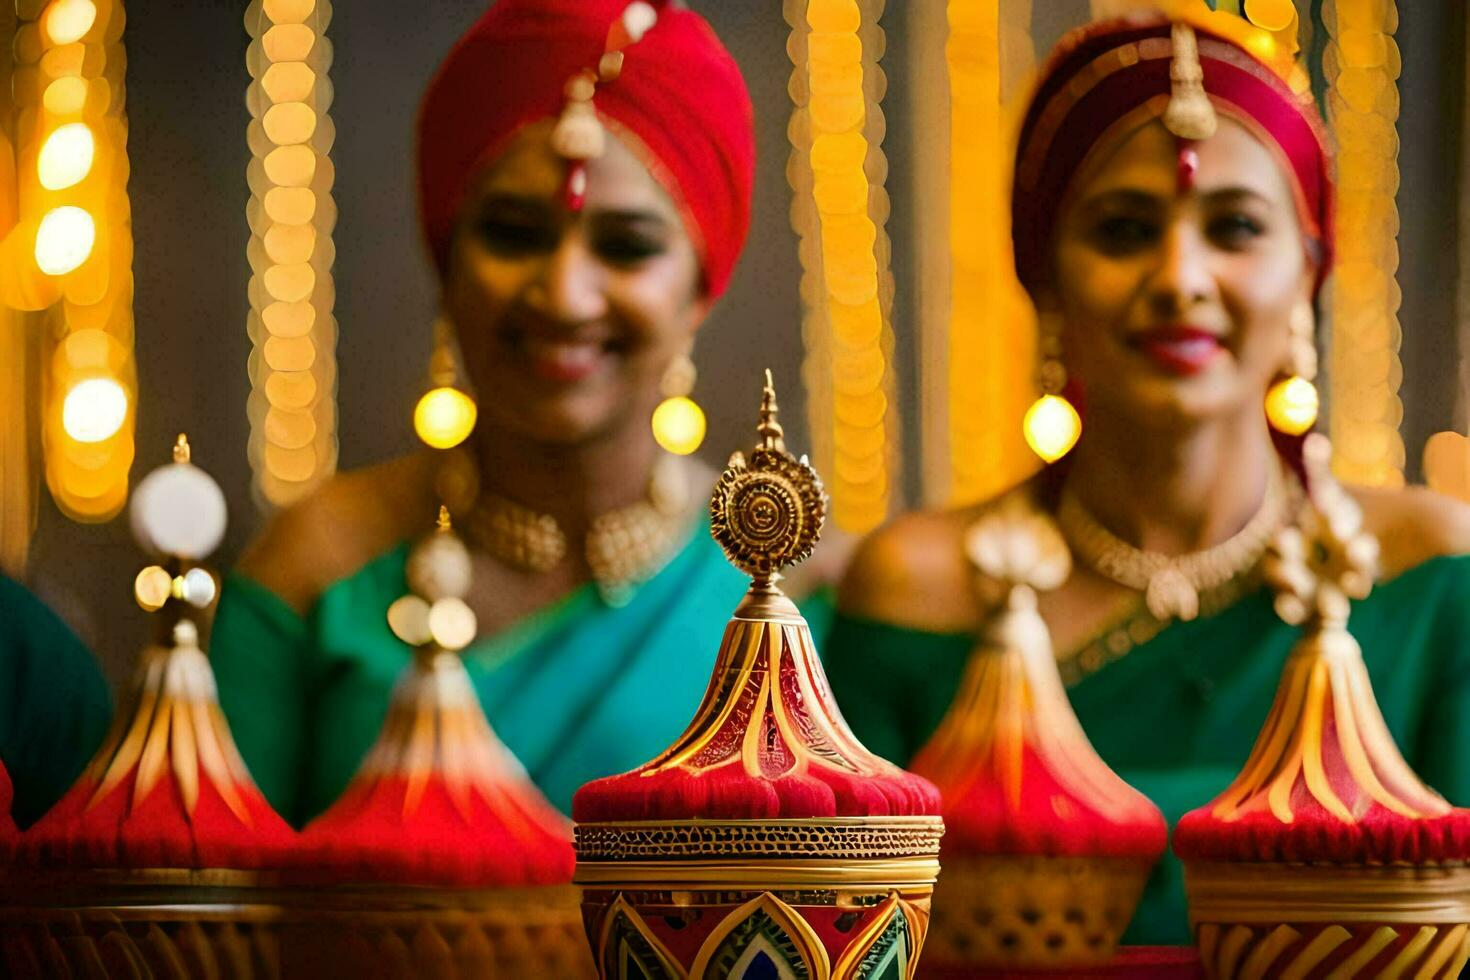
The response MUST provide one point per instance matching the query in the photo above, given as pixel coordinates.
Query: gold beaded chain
(624, 547)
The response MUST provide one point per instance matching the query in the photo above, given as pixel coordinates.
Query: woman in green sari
(55, 705)
(584, 209)
(1175, 268)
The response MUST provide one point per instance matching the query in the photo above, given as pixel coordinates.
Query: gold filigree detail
(857, 839)
(767, 512)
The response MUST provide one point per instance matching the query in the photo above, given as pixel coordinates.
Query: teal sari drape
(1177, 716)
(55, 706)
(577, 690)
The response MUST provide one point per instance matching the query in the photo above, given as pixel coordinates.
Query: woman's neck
(572, 483)
(1172, 491)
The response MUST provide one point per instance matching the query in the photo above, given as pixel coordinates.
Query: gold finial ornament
(1190, 115)
(177, 513)
(433, 616)
(767, 512)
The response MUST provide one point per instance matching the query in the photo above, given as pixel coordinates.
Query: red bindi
(574, 190)
(1188, 170)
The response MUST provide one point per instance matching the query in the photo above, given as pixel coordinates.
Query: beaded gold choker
(623, 548)
(1172, 583)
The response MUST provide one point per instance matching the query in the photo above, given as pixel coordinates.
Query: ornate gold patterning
(767, 512)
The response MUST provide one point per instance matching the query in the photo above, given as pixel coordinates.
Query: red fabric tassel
(745, 763)
(1380, 836)
(365, 837)
(157, 831)
(1047, 820)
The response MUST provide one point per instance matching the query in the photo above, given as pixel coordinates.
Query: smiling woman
(585, 202)
(1175, 259)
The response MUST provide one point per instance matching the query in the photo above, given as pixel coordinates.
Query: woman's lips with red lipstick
(562, 360)
(556, 356)
(1180, 350)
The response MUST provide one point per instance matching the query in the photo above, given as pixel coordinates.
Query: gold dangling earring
(1052, 425)
(1292, 402)
(445, 415)
(678, 422)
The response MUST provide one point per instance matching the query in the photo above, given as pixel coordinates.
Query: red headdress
(1107, 79)
(677, 99)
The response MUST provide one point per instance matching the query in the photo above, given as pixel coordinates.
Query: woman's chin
(1180, 403)
(560, 421)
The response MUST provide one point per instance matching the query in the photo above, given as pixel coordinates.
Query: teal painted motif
(888, 957)
(759, 949)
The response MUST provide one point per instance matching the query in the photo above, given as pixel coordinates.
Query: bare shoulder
(1414, 524)
(342, 525)
(913, 571)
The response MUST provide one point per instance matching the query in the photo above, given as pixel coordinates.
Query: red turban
(1107, 79)
(679, 96)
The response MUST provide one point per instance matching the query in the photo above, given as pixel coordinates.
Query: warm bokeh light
(1270, 15)
(290, 205)
(1052, 427)
(289, 11)
(288, 42)
(66, 156)
(678, 425)
(289, 123)
(94, 410)
(289, 283)
(68, 21)
(64, 240)
(290, 244)
(70, 103)
(291, 166)
(291, 81)
(293, 409)
(839, 210)
(444, 417)
(1362, 65)
(1291, 405)
(65, 96)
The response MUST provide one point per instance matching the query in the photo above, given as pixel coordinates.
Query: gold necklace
(1172, 584)
(624, 547)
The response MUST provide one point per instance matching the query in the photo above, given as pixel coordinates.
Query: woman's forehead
(616, 180)
(1147, 160)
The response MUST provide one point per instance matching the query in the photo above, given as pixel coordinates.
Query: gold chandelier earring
(445, 415)
(1292, 402)
(678, 421)
(1052, 425)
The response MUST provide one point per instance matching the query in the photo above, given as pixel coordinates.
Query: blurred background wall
(186, 83)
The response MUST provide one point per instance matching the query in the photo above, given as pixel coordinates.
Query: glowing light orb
(64, 240)
(1051, 427)
(66, 156)
(678, 425)
(94, 410)
(68, 21)
(1270, 15)
(444, 417)
(1291, 405)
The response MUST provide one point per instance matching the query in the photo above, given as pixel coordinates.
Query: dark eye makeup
(521, 227)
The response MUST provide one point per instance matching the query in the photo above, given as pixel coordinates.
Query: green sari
(1176, 716)
(577, 690)
(54, 703)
